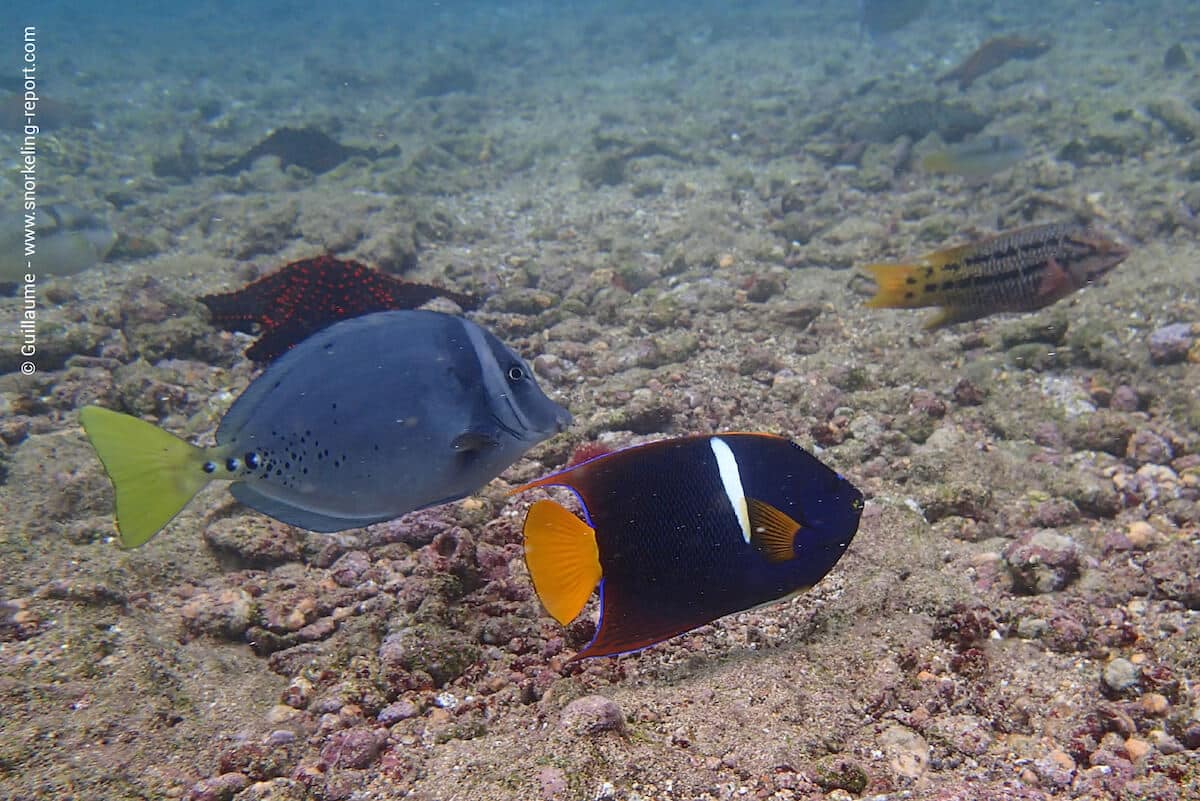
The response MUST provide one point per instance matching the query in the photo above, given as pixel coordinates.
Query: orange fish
(1020, 270)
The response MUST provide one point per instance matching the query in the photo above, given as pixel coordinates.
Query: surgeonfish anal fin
(475, 439)
(563, 559)
(773, 532)
(154, 474)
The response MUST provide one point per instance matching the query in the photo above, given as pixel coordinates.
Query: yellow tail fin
(894, 289)
(563, 559)
(154, 474)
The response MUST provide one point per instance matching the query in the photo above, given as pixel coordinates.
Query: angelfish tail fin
(154, 474)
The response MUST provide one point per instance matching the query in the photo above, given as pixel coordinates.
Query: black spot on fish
(909, 295)
(231, 464)
(910, 281)
(209, 467)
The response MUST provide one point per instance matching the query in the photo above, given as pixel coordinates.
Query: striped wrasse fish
(1015, 271)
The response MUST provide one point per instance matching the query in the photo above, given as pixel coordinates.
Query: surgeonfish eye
(516, 373)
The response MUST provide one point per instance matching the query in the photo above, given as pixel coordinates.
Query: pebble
(1155, 704)
(280, 713)
(280, 737)
(298, 693)
(1170, 344)
(254, 542)
(1146, 447)
(1141, 535)
(1124, 399)
(1120, 677)
(351, 748)
(348, 570)
(227, 615)
(907, 751)
(1165, 743)
(1056, 769)
(1031, 628)
(592, 714)
(218, 788)
(1136, 748)
(396, 712)
(1042, 561)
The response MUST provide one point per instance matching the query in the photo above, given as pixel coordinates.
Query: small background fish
(69, 240)
(977, 158)
(994, 53)
(1020, 270)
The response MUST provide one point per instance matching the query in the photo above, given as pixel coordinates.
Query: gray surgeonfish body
(380, 415)
(68, 240)
(362, 422)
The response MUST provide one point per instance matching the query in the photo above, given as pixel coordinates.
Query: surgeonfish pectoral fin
(154, 474)
(772, 531)
(893, 284)
(563, 559)
(475, 439)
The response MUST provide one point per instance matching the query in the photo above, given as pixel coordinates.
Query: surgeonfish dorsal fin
(563, 559)
(772, 531)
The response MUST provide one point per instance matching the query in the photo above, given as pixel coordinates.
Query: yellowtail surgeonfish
(362, 422)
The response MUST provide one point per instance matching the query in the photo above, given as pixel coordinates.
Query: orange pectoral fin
(772, 531)
(1056, 283)
(563, 559)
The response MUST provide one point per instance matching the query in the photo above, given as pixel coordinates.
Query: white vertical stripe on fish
(731, 480)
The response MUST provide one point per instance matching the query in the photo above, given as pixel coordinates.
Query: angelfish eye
(516, 373)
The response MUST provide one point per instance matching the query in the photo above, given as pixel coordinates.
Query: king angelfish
(683, 531)
(362, 422)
